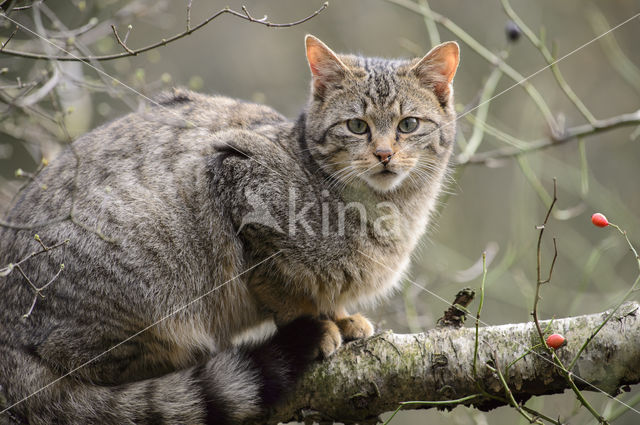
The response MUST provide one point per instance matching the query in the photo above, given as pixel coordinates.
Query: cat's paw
(355, 326)
(330, 340)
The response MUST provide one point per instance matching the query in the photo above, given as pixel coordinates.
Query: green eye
(357, 126)
(408, 125)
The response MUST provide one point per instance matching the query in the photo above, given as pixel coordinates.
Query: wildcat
(205, 216)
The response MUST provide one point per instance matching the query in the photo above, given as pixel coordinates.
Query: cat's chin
(384, 181)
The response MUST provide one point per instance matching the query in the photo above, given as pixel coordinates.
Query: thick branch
(370, 377)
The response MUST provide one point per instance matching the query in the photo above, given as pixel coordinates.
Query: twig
(584, 168)
(551, 61)
(432, 403)
(120, 42)
(632, 289)
(189, 15)
(20, 85)
(481, 114)
(165, 41)
(487, 55)
(432, 28)
(509, 394)
(569, 378)
(30, 226)
(618, 59)
(74, 190)
(28, 6)
(37, 291)
(9, 39)
(71, 33)
(7, 269)
(113, 91)
(480, 304)
(539, 281)
(495, 132)
(629, 119)
(563, 370)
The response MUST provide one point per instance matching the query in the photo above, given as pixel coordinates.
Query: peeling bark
(369, 377)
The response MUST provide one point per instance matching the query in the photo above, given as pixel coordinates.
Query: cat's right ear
(437, 69)
(326, 68)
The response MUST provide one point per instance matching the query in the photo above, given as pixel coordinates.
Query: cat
(203, 217)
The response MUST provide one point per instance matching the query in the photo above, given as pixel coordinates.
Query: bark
(369, 377)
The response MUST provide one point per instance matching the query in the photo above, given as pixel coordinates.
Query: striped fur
(158, 200)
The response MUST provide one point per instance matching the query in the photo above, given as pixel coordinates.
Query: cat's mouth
(387, 172)
(384, 180)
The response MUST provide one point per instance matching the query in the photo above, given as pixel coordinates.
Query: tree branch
(133, 52)
(373, 376)
(573, 133)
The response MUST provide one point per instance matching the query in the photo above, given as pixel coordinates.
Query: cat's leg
(286, 306)
(352, 326)
(331, 337)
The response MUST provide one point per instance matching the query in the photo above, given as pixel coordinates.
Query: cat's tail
(230, 387)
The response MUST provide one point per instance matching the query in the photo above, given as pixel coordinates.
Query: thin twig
(9, 39)
(30, 226)
(120, 42)
(632, 289)
(618, 59)
(433, 403)
(487, 55)
(481, 114)
(480, 304)
(432, 28)
(72, 33)
(28, 6)
(37, 291)
(569, 378)
(539, 281)
(7, 269)
(189, 15)
(551, 61)
(165, 41)
(509, 394)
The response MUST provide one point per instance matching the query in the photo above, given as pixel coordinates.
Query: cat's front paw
(331, 339)
(355, 326)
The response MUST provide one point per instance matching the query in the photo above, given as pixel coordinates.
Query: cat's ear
(326, 68)
(437, 69)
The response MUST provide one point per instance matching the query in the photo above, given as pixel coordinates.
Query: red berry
(555, 341)
(599, 220)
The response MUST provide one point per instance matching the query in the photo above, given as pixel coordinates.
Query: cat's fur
(193, 193)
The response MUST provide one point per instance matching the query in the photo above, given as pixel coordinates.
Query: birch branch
(367, 378)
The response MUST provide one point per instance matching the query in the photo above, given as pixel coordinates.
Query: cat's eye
(408, 125)
(357, 126)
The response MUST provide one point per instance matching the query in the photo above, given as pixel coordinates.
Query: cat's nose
(384, 155)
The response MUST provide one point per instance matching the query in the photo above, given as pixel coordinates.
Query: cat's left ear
(437, 69)
(326, 68)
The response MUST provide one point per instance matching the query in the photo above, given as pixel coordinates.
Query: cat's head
(381, 122)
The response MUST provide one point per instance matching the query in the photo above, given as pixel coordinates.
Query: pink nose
(384, 155)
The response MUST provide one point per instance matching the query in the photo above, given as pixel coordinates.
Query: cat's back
(153, 154)
(140, 180)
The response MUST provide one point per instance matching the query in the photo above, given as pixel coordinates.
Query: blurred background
(492, 206)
